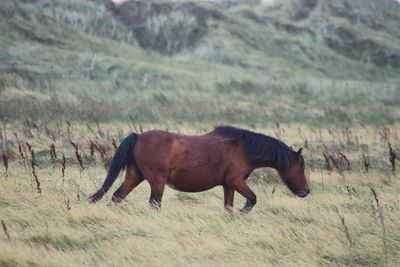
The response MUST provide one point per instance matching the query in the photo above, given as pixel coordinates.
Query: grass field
(58, 227)
(317, 74)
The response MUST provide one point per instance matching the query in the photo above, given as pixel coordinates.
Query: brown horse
(226, 156)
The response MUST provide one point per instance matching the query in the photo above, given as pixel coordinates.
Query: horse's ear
(299, 151)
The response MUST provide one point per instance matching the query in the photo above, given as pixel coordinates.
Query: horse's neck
(268, 164)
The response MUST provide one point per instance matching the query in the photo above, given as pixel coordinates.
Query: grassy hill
(335, 61)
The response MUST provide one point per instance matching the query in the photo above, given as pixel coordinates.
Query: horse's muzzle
(303, 192)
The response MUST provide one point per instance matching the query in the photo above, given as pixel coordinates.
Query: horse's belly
(193, 183)
(190, 189)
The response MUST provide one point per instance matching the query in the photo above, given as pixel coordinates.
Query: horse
(223, 157)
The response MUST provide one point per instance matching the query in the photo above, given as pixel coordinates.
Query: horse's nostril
(303, 192)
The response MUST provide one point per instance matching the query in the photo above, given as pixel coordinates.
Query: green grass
(254, 64)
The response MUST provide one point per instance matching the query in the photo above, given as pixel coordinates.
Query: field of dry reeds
(49, 170)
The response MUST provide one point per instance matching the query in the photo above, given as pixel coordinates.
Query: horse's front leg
(245, 191)
(157, 191)
(229, 193)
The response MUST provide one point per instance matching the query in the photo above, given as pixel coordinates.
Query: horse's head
(294, 177)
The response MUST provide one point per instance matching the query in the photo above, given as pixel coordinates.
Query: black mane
(259, 148)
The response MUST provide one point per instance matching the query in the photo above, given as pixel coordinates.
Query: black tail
(122, 157)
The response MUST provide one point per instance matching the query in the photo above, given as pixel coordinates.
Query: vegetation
(201, 62)
(77, 76)
(350, 217)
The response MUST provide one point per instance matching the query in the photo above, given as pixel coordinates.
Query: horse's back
(175, 149)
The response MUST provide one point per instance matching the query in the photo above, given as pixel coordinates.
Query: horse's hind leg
(244, 190)
(229, 193)
(131, 181)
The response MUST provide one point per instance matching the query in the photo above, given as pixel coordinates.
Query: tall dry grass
(194, 229)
